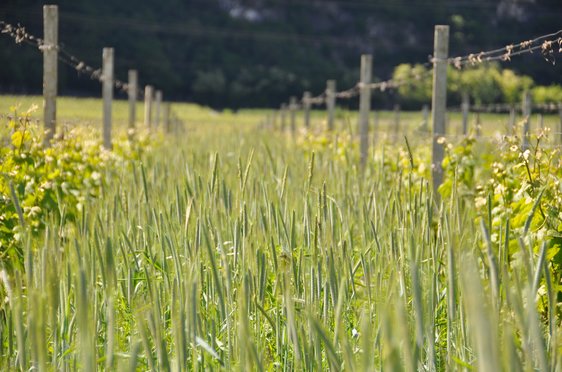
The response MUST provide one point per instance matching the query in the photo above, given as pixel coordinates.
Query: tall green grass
(236, 249)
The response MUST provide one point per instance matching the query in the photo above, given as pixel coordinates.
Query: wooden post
(306, 105)
(511, 123)
(465, 107)
(439, 103)
(50, 70)
(541, 121)
(166, 118)
(425, 115)
(107, 92)
(283, 116)
(148, 106)
(132, 91)
(396, 122)
(365, 105)
(527, 118)
(158, 99)
(293, 114)
(331, 102)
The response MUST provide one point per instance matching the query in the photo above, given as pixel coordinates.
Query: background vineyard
(277, 239)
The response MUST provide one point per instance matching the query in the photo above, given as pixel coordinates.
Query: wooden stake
(331, 102)
(50, 70)
(132, 89)
(439, 103)
(107, 92)
(365, 106)
(148, 106)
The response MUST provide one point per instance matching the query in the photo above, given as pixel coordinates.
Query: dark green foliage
(195, 50)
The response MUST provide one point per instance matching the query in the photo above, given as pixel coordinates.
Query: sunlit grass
(234, 247)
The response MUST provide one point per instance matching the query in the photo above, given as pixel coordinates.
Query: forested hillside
(234, 53)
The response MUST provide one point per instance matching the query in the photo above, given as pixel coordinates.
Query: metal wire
(20, 36)
(547, 44)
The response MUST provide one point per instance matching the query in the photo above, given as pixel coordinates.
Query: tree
(418, 88)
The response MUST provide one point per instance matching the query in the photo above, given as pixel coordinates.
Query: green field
(230, 246)
(88, 111)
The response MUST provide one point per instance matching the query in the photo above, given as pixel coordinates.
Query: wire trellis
(20, 36)
(548, 45)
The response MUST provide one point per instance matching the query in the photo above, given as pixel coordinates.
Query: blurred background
(256, 53)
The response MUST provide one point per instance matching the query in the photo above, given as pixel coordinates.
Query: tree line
(256, 53)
